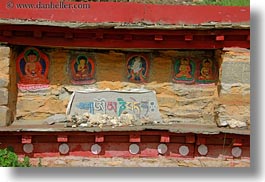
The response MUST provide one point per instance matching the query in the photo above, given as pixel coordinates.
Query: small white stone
(114, 121)
(74, 126)
(83, 125)
(222, 122)
(236, 123)
(86, 114)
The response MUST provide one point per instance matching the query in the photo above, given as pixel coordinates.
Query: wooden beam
(62, 138)
(127, 39)
(220, 38)
(158, 37)
(26, 139)
(165, 138)
(127, 13)
(37, 34)
(134, 138)
(99, 138)
(188, 37)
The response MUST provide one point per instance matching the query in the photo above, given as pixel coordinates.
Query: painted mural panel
(207, 71)
(183, 70)
(82, 68)
(138, 68)
(32, 68)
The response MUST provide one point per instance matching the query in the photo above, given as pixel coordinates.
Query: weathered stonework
(235, 72)
(178, 103)
(225, 104)
(3, 96)
(5, 116)
(4, 80)
(234, 100)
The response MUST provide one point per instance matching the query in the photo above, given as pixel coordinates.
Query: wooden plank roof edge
(139, 25)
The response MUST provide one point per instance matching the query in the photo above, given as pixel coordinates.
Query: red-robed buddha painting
(82, 69)
(32, 68)
(207, 72)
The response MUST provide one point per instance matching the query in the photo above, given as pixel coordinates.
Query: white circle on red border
(28, 148)
(95, 149)
(236, 151)
(64, 148)
(184, 150)
(134, 149)
(162, 148)
(203, 149)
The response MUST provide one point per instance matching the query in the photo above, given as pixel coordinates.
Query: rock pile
(102, 120)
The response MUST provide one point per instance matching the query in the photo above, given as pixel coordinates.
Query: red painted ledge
(102, 12)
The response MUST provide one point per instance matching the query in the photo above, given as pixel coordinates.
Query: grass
(226, 2)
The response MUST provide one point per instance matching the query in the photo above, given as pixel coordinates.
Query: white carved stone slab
(142, 104)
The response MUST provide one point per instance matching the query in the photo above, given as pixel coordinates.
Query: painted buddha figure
(136, 70)
(184, 69)
(206, 70)
(82, 68)
(32, 68)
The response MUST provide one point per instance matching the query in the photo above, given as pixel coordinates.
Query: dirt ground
(70, 161)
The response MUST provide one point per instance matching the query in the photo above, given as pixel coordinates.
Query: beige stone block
(166, 100)
(30, 104)
(4, 80)
(39, 107)
(33, 116)
(53, 106)
(5, 116)
(4, 65)
(110, 85)
(4, 52)
(3, 96)
(161, 88)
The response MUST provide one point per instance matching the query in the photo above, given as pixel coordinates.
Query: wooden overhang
(107, 25)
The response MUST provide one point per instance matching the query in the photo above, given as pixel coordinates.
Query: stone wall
(225, 102)
(233, 106)
(178, 103)
(5, 114)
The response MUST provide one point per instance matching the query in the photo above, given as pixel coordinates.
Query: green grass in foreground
(226, 2)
